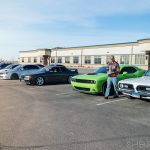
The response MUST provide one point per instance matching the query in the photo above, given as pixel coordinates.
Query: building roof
(89, 46)
(43, 49)
(112, 44)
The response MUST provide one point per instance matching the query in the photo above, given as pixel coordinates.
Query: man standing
(112, 71)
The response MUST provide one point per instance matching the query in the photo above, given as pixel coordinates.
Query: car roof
(122, 66)
(5, 63)
(13, 64)
(56, 65)
(28, 65)
(125, 65)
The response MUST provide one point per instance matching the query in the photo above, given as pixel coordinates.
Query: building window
(107, 58)
(140, 59)
(75, 59)
(97, 60)
(67, 60)
(41, 59)
(22, 59)
(35, 60)
(59, 59)
(29, 59)
(124, 59)
(87, 59)
(146, 57)
(53, 60)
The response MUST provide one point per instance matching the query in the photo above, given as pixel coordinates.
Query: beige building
(39, 56)
(134, 53)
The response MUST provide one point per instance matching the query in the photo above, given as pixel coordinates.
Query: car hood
(4, 70)
(91, 76)
(145, 80)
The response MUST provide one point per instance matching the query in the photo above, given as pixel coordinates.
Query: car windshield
(18, 67)
(147, 73)
(8, 67)
(101, 70)
(45, 69)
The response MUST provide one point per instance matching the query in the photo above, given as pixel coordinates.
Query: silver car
(15, 73)
(8, 68)
(136, 87)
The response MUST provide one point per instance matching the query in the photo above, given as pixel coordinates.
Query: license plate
(135, 94)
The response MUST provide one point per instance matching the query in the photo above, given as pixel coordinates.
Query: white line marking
(111, 101)
(66, 93)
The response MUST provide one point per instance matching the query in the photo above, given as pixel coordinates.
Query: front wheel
(14, 77)
(130, 97)
(39, 81)
(104, 88)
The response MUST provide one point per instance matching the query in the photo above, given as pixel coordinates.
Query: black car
(51, 74)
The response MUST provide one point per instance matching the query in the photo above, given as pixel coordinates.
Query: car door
(127, 72)
(52, 75)
(29, 69)
(64, 74)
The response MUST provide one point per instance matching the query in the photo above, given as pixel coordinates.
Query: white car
(9, 67)
(136, 87)
(15, 73)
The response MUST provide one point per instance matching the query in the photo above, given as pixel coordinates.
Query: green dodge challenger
(95, 83)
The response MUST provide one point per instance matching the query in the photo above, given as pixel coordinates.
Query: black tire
(130, 97)
(69, 79)
(14, 77)
(104, 88)
(39, 81)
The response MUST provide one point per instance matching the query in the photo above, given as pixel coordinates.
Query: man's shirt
(113, 69)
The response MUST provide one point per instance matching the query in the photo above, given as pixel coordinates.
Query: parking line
(66, 93)
(111, 101)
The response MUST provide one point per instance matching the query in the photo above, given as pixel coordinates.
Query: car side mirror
(125, 73)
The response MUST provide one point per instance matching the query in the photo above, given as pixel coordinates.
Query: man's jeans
(110, 81)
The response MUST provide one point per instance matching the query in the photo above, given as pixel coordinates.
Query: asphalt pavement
(55, 117)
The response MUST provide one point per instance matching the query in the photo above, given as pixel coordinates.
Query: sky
(33, 24)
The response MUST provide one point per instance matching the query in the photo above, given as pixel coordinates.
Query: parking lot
(55, 117)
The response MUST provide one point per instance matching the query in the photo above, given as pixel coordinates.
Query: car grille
(82, 89)
(142, 88)
(84, 81)
(126, 86)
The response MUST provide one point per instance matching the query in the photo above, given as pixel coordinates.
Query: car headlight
(27, 77)
(121, 85)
